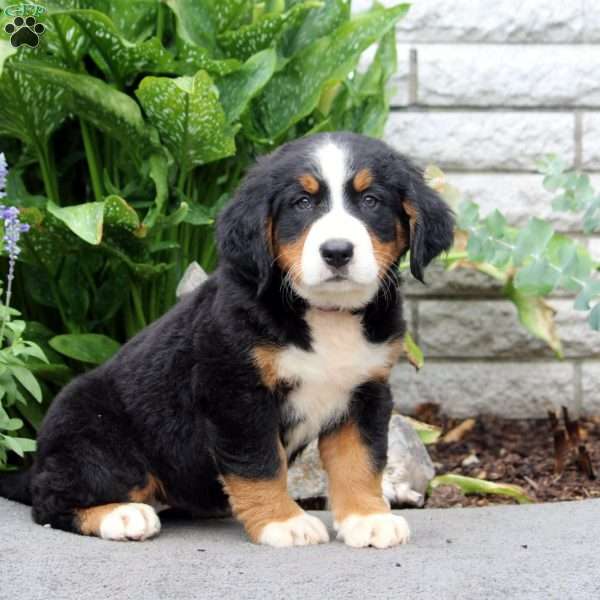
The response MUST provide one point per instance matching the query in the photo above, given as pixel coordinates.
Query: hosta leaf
(471, 485)
(249, 39)
(31, 109)
(317, 23)
(116, 56)
(66, 39)
(74, 291)
(199, 215)
(6, 50)
(118, 213)
(85, 347)
(92, 99)
(200, 22)
(237, 89)
(135, 19)
(191, 59)
(295, 91)
(84, 220)
(159, 173)
(187, 113)
(537, 317)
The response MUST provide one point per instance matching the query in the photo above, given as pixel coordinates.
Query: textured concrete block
(491, 329)
(457, 282)
(500, 21)
(477, 141)
(509, 389)
(518, 196)
(594, 248)
(508, 75)
(590, 388)
(590, 140)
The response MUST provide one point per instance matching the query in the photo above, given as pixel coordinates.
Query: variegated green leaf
(295, 91)
(249, 39)
(116, 56)
(200, 22)
(119, 214)
(238, 89)
(92, 99)
(84, 220)
(187, 113)
(6, 50)
(31, 109)
(191, 59)
(316, 24)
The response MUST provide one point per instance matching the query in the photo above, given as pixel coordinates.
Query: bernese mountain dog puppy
(291, 339)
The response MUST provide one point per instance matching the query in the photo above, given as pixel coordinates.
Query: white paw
(381, 530)
(301, 530)
(130, 522)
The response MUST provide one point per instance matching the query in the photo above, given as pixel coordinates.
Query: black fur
(183, 400)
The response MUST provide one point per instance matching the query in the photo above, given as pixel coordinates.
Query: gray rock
(193, 277)
(409, 469)
(406, 477)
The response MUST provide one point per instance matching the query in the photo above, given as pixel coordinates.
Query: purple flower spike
(3, 174)
(13, 228)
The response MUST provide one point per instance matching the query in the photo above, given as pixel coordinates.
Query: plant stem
(160, 21)
(50, 184)
(92, 161)
(137, 305)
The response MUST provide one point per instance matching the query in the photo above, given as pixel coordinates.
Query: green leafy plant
(132, 123)
(19, 388)
(533, 261)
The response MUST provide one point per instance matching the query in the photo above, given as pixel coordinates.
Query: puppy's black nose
(337, 253)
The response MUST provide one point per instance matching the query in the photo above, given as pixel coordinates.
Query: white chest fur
(341, 359)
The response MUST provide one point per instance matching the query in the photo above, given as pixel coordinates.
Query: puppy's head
(333, 212)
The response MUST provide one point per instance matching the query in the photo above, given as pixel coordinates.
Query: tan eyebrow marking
(362, 180)
(309, 183)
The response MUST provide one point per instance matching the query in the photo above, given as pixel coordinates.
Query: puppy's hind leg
(128, 521)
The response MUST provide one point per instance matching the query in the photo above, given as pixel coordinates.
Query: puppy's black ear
(244, 235)
(430, 221)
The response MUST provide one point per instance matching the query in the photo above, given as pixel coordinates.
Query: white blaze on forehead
(334, 166)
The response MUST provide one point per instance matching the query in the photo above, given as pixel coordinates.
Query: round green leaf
(85, 347)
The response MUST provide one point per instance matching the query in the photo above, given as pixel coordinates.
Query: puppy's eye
(303, 203)
(370, 201)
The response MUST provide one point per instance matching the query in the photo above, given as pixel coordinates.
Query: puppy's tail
(15, 486)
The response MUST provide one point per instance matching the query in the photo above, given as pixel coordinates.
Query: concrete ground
(509, 552)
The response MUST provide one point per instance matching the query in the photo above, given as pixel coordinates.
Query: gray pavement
(510, 552)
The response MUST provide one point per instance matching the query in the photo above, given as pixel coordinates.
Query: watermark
(25, 28)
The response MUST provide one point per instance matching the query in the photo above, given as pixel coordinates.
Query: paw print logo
(25, 32)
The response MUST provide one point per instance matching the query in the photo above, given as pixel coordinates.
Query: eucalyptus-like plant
(533, 261)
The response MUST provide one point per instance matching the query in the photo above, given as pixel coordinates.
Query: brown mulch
(521, 452)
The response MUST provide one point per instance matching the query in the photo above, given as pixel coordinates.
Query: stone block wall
(484, 89)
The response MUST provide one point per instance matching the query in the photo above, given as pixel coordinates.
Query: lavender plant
(18, 384)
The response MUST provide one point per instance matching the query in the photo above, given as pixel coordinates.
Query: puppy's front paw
(300, 530)
(133, 521)
(382, 530)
